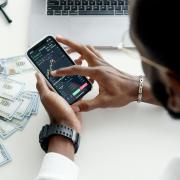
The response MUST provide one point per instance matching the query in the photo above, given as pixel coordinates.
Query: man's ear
(174, 94)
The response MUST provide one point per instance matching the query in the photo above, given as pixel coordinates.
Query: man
(161, 86)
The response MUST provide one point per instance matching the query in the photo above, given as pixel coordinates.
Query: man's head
(155, 30)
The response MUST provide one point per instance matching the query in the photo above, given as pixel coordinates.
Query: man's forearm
(61, 145)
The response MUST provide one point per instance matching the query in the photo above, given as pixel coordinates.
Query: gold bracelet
(140, 90)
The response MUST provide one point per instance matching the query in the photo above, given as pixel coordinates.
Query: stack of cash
(16, 105)
(15, 65)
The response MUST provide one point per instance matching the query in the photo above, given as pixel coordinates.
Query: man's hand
(59, 112)
(116, 88)
(57, 108)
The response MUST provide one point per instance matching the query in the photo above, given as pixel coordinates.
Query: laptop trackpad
(98, 31)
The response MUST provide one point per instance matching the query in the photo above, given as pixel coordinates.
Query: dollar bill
(8, 108)
(4, 155)
(7, 129)
(26, 104)
(35, 104)
(10, 89)
(19, 120)
(17, 65)
(20, 124)
(2, 67)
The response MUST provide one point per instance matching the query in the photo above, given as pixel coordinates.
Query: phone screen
(47, 56)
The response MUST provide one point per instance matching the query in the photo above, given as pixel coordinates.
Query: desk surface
(134, 142)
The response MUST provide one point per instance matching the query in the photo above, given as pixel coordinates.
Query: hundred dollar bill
(17, 65)
(8, 108)
(36, 102)
(6, 129)
(2, 67)
(10, 89)
(20, 124)
(4, 155)
(26, 104)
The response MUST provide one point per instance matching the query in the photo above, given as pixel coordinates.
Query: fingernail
(53, 73)
(37, 74)
(58, 36)
(76, 108)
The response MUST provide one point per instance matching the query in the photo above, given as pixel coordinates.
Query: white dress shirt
(58, 167)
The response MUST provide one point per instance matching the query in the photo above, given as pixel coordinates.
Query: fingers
(69, 43)
(87, 105)
(75, 108)
(88, 53)
(75, 70)
(69, 50)
(41, 85)
(95, 51)
(83, 50)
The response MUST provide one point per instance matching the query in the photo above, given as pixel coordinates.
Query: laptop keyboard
(87, 7)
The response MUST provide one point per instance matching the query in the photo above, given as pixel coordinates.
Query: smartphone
(47, 56)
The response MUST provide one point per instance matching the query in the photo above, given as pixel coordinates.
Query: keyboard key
(70, 2)
(88, 8)
(81, 8)
(120, 2)
(118, 8)
(77, 2)
(114, 2)
(92, 2)
(66, 7)
(53, 3)
(99, 2)
(96, 8)
(125, 7)
(57, 12)
(126, 12)
(74, 8)
(103, 8)
(50, 12)
(96, 12)
(106, 2)
(117, 12)
(84, 2)
(62, 2)
(110, 7)
(54, 8)
(64, 13)
(73, 12)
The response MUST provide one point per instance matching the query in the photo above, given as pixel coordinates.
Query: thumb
(41, 85)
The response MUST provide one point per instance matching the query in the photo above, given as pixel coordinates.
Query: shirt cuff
(57, 167)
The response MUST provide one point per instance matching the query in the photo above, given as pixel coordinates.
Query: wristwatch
(61, 130)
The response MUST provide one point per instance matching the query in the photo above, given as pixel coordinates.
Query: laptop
(100, 23)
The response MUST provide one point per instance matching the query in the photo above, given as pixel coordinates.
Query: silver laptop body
(95, 30)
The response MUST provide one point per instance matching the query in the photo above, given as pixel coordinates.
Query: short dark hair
(155, 24)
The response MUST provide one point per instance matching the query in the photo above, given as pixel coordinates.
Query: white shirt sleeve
(172, 171)
(57, 167)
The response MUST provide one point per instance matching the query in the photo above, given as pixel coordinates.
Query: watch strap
(58, 129)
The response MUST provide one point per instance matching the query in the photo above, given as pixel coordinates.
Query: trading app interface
(49, 56)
